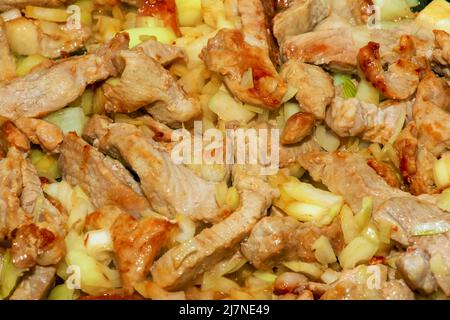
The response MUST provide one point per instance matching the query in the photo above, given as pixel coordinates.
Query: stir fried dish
(224, 149)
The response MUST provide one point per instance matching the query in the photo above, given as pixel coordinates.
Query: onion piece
(10, 15)
(247, 79)
(431, 228)
(326, 139)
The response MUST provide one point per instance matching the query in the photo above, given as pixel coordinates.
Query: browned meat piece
(352, 285)
(315, 86)
(102, 218)
(183, 191)
(430, 115)
(36, 285)
(29, 96)
(230, 56)
(277, 239)
(41, 132)
(399, 82)
(297, 127)
(33, 245)
(163, 54)
(144, 81)
(385, 171)
(348, 174)
(184, 263)
(11, 214)
(136, 244)
(9, 4)
(49, 39)
(352, 117)
(289, 154)
(301, 17)
(106, 182)
(338, 48)
(423, 179)
(290, 282)
(14, 137)
(334, 48)
(406, 146)
(254, 22)
(162, 132)
(441, 53)
(408, 215)
(8, 65)
(31, 190)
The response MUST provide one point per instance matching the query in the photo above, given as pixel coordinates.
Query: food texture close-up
(224, 149)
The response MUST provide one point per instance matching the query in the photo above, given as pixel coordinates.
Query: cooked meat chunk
(8, 65)
(315, 86)
(164, 54)
(301, 17)
(338, 48)
(49, 39)
(415, 269)
(33, 245)
(352, 285)
(277, 239)
(136, 244)
(232, 57)
(289, 154)
(11, 214)
(9, 4)
(334, 48)
(409, 216)
(441, 53)
(399, 82)
(430, 115)
(385, 171)
(352, 117)
(36, 285)
(106, 182)
(31, 190)
(29, 96)
(254, 23)
(184, 263)
(297, 127)
(41, 132)
(14, 137)
(348, 174)
(170, 188)
(406, 146)
(145, 81)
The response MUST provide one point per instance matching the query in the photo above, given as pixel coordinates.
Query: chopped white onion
(10, 15)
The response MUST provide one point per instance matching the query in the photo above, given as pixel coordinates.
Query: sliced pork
(41, 132)
(315, 86)
(184, 263)
(104, 180)
(247, 70)
(136, 244)
(276, 239)
(30, 96)
(352, 117)
(170, 188)
(36, 285)
(145, 81)
(301, 17)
